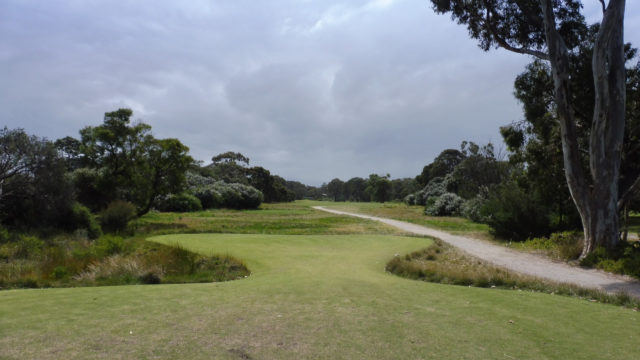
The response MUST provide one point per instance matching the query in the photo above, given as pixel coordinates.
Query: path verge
(516, 261)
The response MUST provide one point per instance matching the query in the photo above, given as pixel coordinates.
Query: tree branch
(604, 7)
(503, 43)
(626, 197)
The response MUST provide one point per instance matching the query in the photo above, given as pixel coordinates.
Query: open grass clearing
(309, 297)
(297, 218)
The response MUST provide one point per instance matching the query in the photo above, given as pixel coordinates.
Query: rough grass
(415, 214)
(296, 218)
(442, 263)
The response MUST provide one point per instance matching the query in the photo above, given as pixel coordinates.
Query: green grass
(309, 296)
(289, 218)
(414, 214)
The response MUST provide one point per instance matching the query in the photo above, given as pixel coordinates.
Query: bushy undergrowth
(441, 263)
(565, 245)
(514, 214)
(624, 259)
(179, 203)
(109, 260)
(217, 194)
(115, 218)
(448, 204)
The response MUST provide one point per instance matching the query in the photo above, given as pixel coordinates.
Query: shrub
(515, 214)
(117, 215)
(221, 194)
(410, 199)
(28, 246)
(4, 235)
(109, 245)
(568, 243)
(471, 209)
(179, 203)
(448, 204)
(82, 218)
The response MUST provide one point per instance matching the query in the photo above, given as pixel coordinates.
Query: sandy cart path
(517, 261)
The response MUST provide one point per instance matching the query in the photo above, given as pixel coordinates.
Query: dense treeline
(117, 171)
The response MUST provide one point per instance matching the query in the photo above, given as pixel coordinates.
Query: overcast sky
(311, 90)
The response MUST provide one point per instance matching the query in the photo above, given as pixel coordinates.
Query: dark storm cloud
(308, 89)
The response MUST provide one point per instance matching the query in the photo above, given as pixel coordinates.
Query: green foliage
(441, 263)
(273, 188)
(447, 204)
(126, 162)
(34, 192)
(472, 209)
(81, 217)
(335, 189)
(115, 218)
(515, 214)
(182, 202)
(442, 165)
(624, 259)
(108, 245)
(379, 188)
(566, 245)
(28, 246)
(4, 235)
(216, 194)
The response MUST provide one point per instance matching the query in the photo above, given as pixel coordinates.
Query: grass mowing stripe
(309, 297)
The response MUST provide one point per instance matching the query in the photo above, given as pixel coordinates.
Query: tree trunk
(597, 203)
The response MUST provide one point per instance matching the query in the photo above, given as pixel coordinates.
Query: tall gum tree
(548, 30)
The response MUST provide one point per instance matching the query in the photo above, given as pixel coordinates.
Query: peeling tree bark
(596, 198)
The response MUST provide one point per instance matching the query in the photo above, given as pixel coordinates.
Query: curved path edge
(516, 261)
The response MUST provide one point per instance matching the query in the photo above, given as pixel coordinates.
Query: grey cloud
(311, 90)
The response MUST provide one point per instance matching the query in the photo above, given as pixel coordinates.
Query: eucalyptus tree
(551, 30)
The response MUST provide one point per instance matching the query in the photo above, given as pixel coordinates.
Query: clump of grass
(441, 263)
(564, 246)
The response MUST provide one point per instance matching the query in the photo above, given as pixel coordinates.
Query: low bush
(28, 246)
(108, 245)
(4, 235)
(624, 259)
(179, 203)
(514, 214)
(471, 209)
(448, 204)
(115, 218)
(82, 218)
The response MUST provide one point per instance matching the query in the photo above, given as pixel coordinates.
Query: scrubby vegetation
(28, 261)
(441, 263)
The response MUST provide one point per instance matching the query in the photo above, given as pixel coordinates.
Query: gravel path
(517, 261)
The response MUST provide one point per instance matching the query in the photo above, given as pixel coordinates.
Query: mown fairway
(309, 296)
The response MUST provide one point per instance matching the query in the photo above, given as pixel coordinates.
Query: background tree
(551, 31)
(441, 166)
(355, 190)
(379, 188)
(230, 167)
(123, 161)
(34, 191)
(335, 189)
